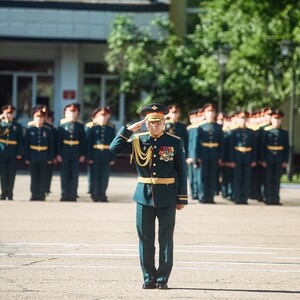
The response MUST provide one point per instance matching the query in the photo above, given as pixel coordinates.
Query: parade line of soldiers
(241, 156)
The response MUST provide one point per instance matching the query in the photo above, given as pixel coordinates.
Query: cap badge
(154, 107)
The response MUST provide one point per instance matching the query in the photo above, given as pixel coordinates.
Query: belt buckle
(71, 143)
(38, 148)
(153, 180)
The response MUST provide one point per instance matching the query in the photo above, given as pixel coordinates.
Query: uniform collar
(156, 136)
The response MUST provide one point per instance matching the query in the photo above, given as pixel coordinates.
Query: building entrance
(23, 86)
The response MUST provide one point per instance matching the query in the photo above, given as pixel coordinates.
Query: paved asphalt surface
(86, 250)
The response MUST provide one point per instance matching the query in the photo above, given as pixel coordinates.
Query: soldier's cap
(193, 112)
(266, 111)
(39, 111)
(174, 108)
(8, 108)
(50, 114)
(73, 106)
(277, 114)
(102, 110)
(154, 112)
(200, 112)
(209, 107)
(242, 114)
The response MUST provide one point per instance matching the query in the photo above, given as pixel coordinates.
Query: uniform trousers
(209, 175)
(8, 175)
(227, 180)
(145, 222)
(241, 182)
(89, 169)
(38, 175)
(273, 173)
(49, 178)
(100, 177)
(69, 178)
(195, 181)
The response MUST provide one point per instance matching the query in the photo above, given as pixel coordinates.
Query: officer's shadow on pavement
(238, 290)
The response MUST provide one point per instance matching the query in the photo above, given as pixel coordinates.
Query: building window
(100, 89)
(25, 84)
(192, 11)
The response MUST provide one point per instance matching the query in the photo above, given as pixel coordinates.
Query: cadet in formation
(274, 156)
(11, 138)
(243, 157)
(208, 153)
(70, 151)
(100, 159)
(49, 124)
(174, 126)
(38, 152)
(162, 188)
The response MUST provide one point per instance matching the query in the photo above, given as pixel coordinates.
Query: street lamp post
(287, 49)
(223, 53)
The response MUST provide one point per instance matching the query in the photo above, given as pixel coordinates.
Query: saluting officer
(274, 156)
(243, 157)
(70, 151)
(38, 152)
(174, 126)
(11, 138)
(209, 148)
(99, 157)
(162, 188)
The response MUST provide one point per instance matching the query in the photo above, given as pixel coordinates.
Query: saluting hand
(136, 126)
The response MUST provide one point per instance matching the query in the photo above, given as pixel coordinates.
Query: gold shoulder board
(90, 124)
(173, 135)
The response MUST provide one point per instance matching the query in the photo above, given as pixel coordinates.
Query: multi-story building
(52, 52)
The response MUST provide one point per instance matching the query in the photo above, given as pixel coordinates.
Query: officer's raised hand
(136, 126)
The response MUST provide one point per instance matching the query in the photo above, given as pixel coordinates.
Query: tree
(185, 71)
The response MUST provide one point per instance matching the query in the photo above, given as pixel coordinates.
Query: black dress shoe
(149, 286)
(162, 286)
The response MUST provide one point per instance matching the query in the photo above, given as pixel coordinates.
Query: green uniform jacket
(167, 161)
(11, 138)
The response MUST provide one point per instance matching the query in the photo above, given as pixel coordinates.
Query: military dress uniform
(89, 167)
(162, 183)
(71, 145)
(178, 129)
(274, 151)
(99, 137)
(38, 151)
(194, 169)
(50, 166)
(226, 171)
(209, 149)
(243, 152)
(11, 139)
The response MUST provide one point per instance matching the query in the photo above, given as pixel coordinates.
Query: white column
(69, 76)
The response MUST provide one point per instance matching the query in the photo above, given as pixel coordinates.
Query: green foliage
(186, 71)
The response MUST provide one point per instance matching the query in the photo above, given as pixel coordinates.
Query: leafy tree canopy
(186, 71)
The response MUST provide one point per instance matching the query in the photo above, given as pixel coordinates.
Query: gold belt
(275, 148)
(210, 145)
(71, 143)
(101, 146)
(39, 148)
(8, 142)
(156, 180)
(243, 149)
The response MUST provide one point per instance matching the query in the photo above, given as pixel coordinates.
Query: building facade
(52, 52)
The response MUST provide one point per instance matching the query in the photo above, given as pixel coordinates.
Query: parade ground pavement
(85, 250)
